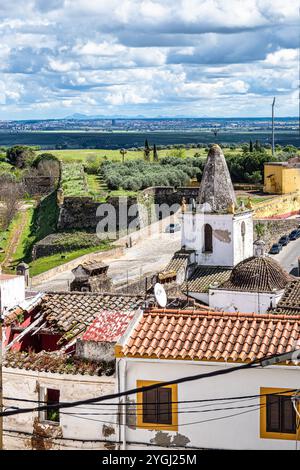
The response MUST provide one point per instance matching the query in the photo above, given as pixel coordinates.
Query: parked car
(294, 234)
(275, 249)
(171, 228)
(284, 240)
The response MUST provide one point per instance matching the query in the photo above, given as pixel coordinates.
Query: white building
(246, 409)
(217, 249)
(12, 291)
(46, 378)
(220, 233)
(256, 284)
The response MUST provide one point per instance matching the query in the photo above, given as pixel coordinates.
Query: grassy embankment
(40, 222)
(6, 236)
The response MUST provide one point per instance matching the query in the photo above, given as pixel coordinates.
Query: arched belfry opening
(208, 238)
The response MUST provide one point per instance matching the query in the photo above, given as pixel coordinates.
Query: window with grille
(281, 416)
(157, 406)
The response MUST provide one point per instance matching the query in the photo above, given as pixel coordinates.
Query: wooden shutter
(164, 405)
(157, 406)
(150, 406)
(281, 416)
(273, 413)
(288, 416)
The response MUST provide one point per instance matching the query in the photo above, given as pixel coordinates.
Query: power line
(206, 400)
(131, 391)
(269, 360)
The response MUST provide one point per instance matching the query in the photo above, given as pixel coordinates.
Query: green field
(81, 155)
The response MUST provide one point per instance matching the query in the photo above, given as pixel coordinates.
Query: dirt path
(14, 240)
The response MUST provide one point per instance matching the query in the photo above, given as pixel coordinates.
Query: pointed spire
(216, 189)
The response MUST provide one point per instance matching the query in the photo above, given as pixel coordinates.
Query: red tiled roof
(110, 326)
(71, 313)
(213, 336)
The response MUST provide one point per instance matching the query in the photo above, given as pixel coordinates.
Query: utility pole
(273, 131)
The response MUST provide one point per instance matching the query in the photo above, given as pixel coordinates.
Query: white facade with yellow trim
(202, 414)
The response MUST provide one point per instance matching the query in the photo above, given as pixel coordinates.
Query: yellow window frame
(264, 434)
(156, 426)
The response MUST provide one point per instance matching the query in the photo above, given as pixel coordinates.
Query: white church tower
(220, 232)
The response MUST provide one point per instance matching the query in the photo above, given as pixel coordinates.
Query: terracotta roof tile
(208, 335)
(289, 303)
(205, 276)
(257, 274)
(56, 363)
(71, 313)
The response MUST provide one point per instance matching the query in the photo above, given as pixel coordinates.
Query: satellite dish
(180, 278)
(160, 295)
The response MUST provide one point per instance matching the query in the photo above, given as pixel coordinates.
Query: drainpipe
(123, 407)
(119, 407)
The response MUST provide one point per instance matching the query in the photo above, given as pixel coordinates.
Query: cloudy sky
(148, 57)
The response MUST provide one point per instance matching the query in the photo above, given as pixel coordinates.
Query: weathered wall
(280, 206)
(280, 178)
(84, 212)
(39, 185)
(95, 350)
(169, 195)
(229, 245)
(81, 212)
(20, 383)
(241, 431)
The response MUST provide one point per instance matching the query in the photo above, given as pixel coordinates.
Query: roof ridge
(211, 313)
(93, 294)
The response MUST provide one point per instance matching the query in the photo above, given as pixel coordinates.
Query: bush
(138, 174)
(20, 156)
(47, 165)
(91, 166)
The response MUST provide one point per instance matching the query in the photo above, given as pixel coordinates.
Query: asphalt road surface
(146, 257)
(288, 257)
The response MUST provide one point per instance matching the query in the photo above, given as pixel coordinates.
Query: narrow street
(288, 257)
(147, 256)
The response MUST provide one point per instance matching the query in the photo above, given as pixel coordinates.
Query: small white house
(47, 378)
(12, 291)
(245, 409)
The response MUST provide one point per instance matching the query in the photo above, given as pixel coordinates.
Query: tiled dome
(258, 274)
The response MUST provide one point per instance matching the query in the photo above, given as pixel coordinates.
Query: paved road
(288, 257)
(147, 256)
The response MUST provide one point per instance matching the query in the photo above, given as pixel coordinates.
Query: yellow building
(282, 177)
